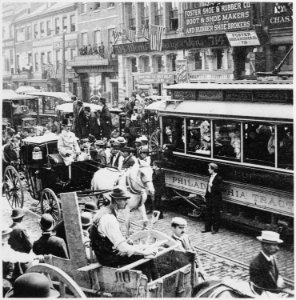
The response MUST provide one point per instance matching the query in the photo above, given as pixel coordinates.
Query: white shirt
(211, 182)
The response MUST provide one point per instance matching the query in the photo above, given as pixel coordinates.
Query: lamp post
(63, 81)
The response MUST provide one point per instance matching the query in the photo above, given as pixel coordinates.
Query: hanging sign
(243, 38)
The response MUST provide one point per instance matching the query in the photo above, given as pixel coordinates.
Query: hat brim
(90, 210)
(17, 217)
(279, 241)
(47, 229)
(9, 230)
(120, 197)
(52, 294)
(86, 225)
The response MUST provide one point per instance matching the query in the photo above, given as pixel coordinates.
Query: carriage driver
(108, 242)
(67, 144)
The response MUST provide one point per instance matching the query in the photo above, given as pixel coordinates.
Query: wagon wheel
(50, 203)
(12, 187)
(58, 277)
(154, 141)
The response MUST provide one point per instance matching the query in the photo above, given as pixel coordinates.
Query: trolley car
(247, 129)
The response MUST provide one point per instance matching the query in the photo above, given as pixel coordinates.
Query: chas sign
(221, 17)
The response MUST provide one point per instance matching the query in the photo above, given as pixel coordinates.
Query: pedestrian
(213, 198)
(32, 285)
(117, 157)
(129, 159)
(144, 155)
(82, 122)
(94, 124)
(105, 120)
(48, 243)
(179, 226)
(108, 243)
(264, 273)
(76, 108)
(158, 180)
(99, 154)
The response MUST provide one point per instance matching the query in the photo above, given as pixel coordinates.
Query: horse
(137, 181)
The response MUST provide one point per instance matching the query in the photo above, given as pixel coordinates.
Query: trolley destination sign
(218, 18)
(270, 200)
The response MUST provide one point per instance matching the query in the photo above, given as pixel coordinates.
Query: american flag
(156, 33)
(131, 35)
(144, 31)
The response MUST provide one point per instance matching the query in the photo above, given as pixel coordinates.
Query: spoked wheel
(50, 204)
(154, 141)
(66, 286)
(12, 187)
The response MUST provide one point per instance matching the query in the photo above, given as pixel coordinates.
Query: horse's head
(145, 173)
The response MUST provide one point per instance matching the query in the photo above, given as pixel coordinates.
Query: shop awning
(12, 95)
(64, 96)
(230, 110)
(68, 107)
(156, 105)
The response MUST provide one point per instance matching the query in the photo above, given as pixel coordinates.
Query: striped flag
(144, 31)
(156, 33)
(131, 35)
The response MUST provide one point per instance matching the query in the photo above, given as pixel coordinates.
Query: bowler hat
(65, 122)
(121, 140)
(79, 103)
(90, 206)
(119, 193)
(179, 221)
(126, 149)
(269, 237)
(100, 143)
(86, 219)
(47, 222)
(17, 213)
(32, 285)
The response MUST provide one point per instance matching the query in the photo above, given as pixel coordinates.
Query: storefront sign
(181, 71)
(273, 96)
(20, 76)
(184, 95)
(205, 41)
(154, 78)
(68, 44)
(264, 199)
(238, 95)
(210, 95)
(217, 18)
(131, 48)
(281, 20)
(243, 38)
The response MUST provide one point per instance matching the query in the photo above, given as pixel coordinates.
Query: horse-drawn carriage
(44, 175)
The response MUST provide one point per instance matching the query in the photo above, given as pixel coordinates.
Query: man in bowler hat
(48, 243)
(213, 198)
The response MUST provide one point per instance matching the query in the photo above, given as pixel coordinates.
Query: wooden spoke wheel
(65, 285)
(154, 141)
(13, 188)
(50, 204)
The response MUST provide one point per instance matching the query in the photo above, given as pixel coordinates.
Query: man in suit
(264, 273)
(48, 243)
(129, 159)
(105, 120)
(213, 198)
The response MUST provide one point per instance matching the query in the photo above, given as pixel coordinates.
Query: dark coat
(263, 274)
(106, 122)
(50, 244)
(215, 197)
(94, 128)
(128, 162)
(19, 239)
(82, 129)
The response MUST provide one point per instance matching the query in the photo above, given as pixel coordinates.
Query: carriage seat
(56, 159)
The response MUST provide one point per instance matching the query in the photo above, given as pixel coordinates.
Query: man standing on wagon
(107, 240)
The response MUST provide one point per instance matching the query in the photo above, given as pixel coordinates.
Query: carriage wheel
(12, 187)
(50, 204)
(57, 276)
(154, 141)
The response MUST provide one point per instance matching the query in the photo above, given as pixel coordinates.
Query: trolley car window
(199, 136)
(256, 140)
(285, 146)
(173, 133)
(227, 140)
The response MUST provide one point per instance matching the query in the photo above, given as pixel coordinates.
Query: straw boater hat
(86, 219)
(118, 193)
(90, 206)
(269, 237)
(179, 221)
(213, 166)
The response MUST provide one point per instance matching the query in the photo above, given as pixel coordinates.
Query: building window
(57, 26)
(97, 37)
(28, 33)
(72, 54)
(285, 146)
(11, 57)
(145, 64)
(65, 23)
(42, 58)
(49, 57)
(35, 31)
(36, 62)
(30, 59)
(97, 5)
(57, 60)
(134, 64)
(158, 63)
(42, 30)
(173, 133)
(145, 14)
(219, 56)
(174, 23)
(72, 23)
(278, 53)
(158, 14)
(84, 39)
(10, 31)
(110, 4)
(84, 8)
(173, 60)
(197, 61)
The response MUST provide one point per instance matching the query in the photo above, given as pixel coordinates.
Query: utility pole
(63, 81)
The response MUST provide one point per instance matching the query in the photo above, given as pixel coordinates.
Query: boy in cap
(264, 273)
(129, 160)
(48, 243)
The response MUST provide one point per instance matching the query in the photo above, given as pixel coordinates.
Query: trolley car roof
(38, 140)
(235, 85)
(12, 95)
(261, 111)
